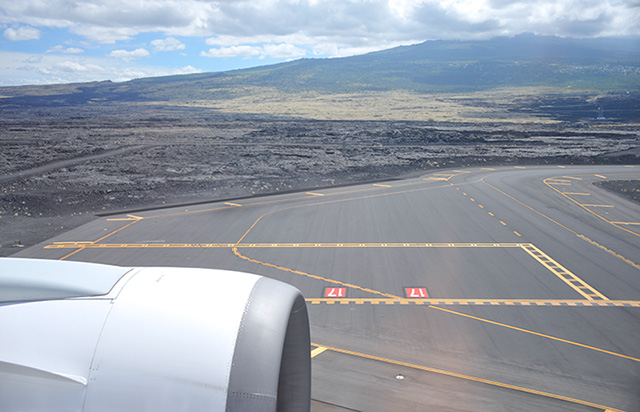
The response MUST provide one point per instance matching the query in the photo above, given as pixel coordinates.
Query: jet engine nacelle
(86, 337)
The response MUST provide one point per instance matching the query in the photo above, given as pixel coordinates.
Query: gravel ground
(58, 167)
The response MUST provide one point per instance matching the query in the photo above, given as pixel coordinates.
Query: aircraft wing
(87, 337)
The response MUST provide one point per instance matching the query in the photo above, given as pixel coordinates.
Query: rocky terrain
(59, 166)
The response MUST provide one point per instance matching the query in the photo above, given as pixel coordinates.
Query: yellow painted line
(503, 224)
(586, 207)
(315, 194)
(436, 178)
(491, 322)
(517, 234)
(135, 217)
(600, 176)
(309, 275)
(481, 207)
(564, 274)
(394, 297)
(626, 223)
(317, 351)
(519, 167)
(486, 168)
(232, 204)
(580, 303)
(562, 167)
(379, 185)
(470, 378)
(472, 199)
(572, 177)
(597, 205)
(92, 245)
(576, 194)
(73, 243)
(491, 214)
(557, 181)
(121, 219)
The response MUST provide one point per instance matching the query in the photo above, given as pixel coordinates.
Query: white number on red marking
(416, 292)
(335, 292)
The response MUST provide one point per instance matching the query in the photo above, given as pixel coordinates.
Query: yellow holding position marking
(475, 302)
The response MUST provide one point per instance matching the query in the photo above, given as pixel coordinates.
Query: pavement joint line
(475, 302)
(469, 378)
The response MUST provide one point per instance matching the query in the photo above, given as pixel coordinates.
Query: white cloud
(67, 50)
(351, 23)
(168, 44)
(283, 51)
(130, 55)
(22, 33)
(233, 51)
(23, 68)
(276, 51)
(288, 29)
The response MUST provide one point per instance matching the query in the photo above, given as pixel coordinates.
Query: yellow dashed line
(626, 223)
(379, 185)
(576, 194)
(600, 176)
(476, 302)
(314, 194)
(232, 204)
(517, 234)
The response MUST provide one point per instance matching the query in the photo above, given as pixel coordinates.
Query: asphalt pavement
(480, 289)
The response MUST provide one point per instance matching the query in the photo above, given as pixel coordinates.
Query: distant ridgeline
(600, 65)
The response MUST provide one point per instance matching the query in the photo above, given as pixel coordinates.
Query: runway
(480, 289)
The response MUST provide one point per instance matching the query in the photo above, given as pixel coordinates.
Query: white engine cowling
(86, 337)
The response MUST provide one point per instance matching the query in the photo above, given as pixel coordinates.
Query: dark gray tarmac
(533, 277)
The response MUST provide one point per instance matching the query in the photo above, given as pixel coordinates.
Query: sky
(67, 41)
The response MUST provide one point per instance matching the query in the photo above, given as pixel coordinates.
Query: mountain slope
(433, 66)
